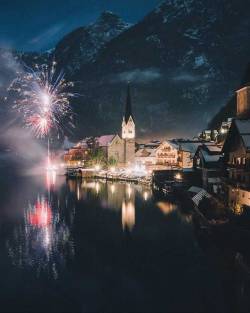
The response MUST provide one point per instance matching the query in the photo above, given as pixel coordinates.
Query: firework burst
(42, 96)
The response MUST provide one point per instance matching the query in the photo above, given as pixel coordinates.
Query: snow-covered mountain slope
(184, 61)
(83, 44)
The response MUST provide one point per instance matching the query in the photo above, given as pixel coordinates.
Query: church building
(122, 147)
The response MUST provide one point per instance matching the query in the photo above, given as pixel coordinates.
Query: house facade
(236, 151)
(208, 162)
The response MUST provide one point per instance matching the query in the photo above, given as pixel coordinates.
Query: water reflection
(166, 207)
(73, 232)
(128, 215)
(119, 197)
(42, 239)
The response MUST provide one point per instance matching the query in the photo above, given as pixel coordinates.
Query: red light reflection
(41, 216)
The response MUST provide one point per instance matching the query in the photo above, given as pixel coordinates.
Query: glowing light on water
(128, 215)
(129, 190)
(50, 176)
(112, 188)
(44, 240)
(166, 207)
(97, 187)
(41, 214)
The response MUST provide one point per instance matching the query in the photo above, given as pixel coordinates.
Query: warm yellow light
(97, 167)
(178, 176)
(129, 190)
(145, 195)
(97, 187)
(128, 215)
(112, 188)
(238, 210)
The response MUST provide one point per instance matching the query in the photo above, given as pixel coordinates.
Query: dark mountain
(229, 110)
(83, 44)
(184, 61)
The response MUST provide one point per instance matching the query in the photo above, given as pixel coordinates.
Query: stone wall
(116, 150)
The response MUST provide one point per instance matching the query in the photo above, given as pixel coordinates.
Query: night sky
(38, 24)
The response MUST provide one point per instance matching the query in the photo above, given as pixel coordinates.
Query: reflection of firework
(44, 240)
(41, 215)
(42, 97)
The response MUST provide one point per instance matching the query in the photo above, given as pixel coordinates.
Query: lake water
(100, 247)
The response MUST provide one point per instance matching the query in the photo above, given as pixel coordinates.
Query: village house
(146, 156)
(209, 135)
(167, 153)
(186, 152)
(208, 163)
(237, 153)
(79, 154)
(157, 155)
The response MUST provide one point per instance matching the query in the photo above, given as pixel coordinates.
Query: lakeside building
(236, 151)
(208, 163)
(175, 153)
(186, 152)
(208, 135)
(120, 148)
(79, 154)
(157, 155)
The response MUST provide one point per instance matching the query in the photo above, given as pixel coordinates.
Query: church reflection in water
(120, 197)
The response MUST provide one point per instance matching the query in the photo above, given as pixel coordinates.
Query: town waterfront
(85, 245)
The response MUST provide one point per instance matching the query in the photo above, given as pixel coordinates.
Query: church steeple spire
(128, 125)
(128, 107)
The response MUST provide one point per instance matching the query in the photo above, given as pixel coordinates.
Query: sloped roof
(200, 196)
(105, 140)
(246, 140)
(243, 126)
(189, 146)
(171, 143)
(145, 152)
(211, 157)
(214, 148)
(194, 189)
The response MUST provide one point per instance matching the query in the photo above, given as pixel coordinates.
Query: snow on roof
(145, 152)
(200, 196)
(172, 144)
(194, 189)
(214, 148)
(214, 180)
(211, 158)
(246, 140)
(243, 126)
(189, 146)
(105, 140)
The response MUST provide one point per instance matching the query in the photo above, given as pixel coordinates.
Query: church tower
(128, 131)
